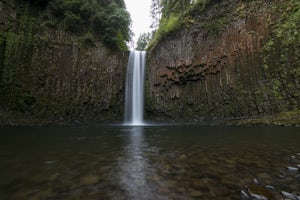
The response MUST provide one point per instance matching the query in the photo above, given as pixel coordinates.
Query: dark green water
(150, 162)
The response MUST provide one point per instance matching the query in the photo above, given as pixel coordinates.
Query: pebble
(295, 159)
(244, 194)
(292, 169)
(258, 197)
(289, 195)
(270, 187)
(259, 192)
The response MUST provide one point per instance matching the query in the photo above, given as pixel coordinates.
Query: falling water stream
(134, 97)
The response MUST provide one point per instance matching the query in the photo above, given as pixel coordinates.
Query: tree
(143, 41)
(155, 11)
(104, 20)
(117, 22)
(175, 7)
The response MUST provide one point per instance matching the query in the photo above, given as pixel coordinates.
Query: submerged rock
(292, 169)
(259, 192)
(290, 195)
(245, 195)
(270, 187)
(255, 181)
(294, 159)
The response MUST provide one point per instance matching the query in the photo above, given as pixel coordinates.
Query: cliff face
(51, 76)
(232, 61)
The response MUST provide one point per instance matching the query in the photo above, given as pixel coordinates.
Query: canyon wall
(50, 76)
(234, 60)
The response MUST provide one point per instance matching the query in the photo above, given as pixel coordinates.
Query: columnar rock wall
(49, 76)
(220, 67)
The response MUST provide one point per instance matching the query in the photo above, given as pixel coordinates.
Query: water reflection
(148, 162)
(135, 166)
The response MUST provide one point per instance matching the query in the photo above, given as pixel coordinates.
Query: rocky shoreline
(287, 119)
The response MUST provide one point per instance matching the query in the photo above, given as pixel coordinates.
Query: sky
(140, 15)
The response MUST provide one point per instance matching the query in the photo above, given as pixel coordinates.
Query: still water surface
(148, 162)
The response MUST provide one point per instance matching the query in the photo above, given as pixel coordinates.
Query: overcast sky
(140, 15)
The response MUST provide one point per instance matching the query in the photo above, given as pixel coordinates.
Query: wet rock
(259, 192)
(289, 195)
(245, 195)
(270, 187)
(258, 197)
(294, 159)
(292, 169)
(255, 181)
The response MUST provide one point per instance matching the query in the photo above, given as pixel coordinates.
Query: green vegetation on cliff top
(93, 20)
(175, 15)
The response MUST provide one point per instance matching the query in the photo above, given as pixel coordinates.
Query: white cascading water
(134, 93)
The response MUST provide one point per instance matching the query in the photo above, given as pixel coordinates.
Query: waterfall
(134, 91)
